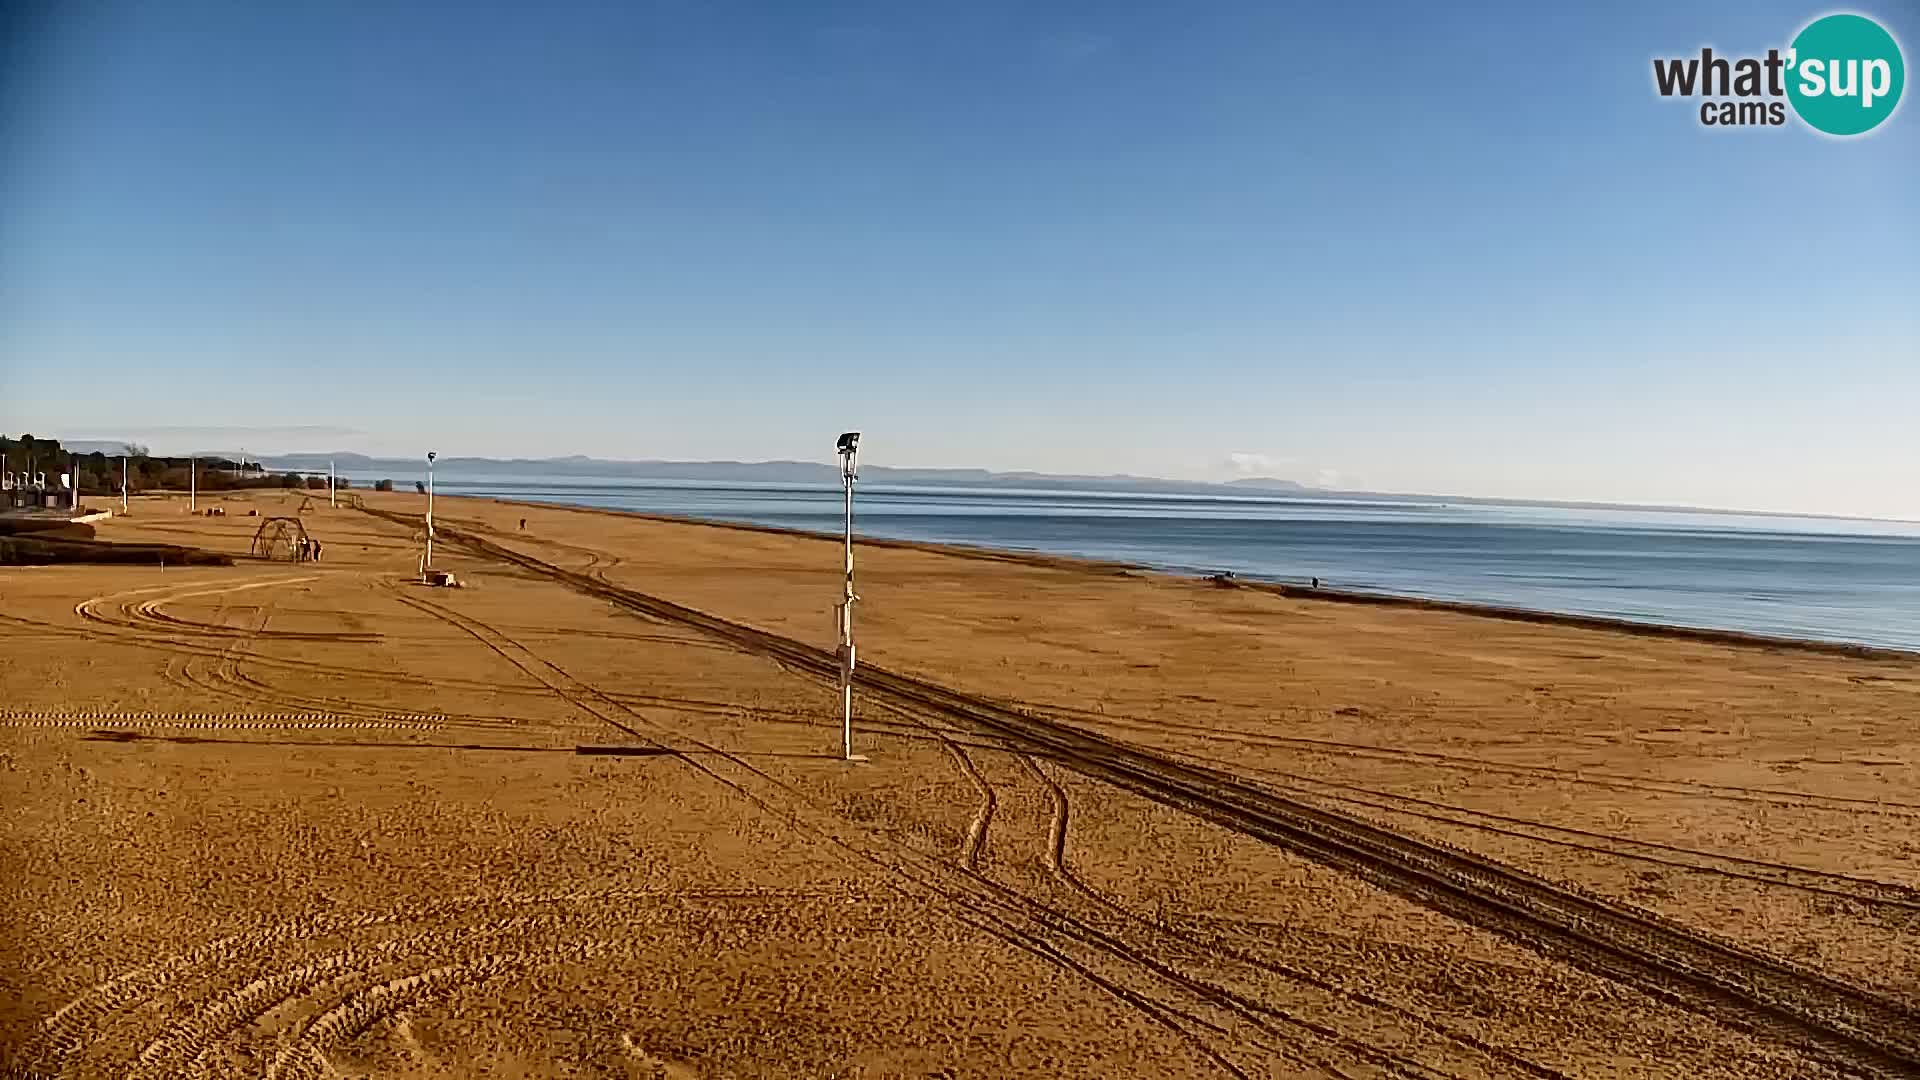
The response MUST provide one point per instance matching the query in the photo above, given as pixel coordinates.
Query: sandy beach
(586, 816)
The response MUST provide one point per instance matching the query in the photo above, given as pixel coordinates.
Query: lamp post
(430, 456)
(849, 449)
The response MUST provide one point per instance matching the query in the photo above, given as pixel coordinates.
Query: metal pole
(193, 486)
(123, 483)
(330, 499)
(848, 447)
(429, 510)
(846, 633)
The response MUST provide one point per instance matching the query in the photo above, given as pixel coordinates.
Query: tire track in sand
(1814, 1012)
(1467, 763)
(186, 1048)
(116, 1003)
(1243, 1011)
(1247, 1009)
(1058, 865)
(976, 838)
(1851, 887)
(223, 678)
(1014, 918)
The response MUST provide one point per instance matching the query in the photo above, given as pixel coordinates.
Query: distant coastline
(819, 474)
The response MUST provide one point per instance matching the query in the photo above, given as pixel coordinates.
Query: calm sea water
(1840, 580)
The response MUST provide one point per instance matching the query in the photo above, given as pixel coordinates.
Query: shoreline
(1507, 613)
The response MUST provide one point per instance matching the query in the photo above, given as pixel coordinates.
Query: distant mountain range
(763, 472)
(579, 467)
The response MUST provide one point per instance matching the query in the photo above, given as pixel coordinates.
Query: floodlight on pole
(849, 450)
(428, 565)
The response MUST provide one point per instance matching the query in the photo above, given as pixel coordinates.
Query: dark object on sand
(1224, 579)
(1316, 582)
(523, 524)
(45, 527)
(39, 551)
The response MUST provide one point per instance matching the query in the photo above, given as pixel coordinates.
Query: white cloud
(1244, 463)
(1241, 464)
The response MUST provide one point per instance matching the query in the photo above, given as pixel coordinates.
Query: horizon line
(1237, 484)
(1312, 490)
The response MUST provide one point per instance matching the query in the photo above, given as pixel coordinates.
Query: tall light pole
(849, 448)
(430, 456)
(123, 483)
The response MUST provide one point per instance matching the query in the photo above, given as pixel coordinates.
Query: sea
(1834, 579)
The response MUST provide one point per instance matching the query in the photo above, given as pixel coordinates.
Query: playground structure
(280, 538)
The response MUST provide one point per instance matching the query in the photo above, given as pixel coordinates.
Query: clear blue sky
(1408, 246)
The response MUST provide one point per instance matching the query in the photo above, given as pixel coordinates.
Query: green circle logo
(1845, 74)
